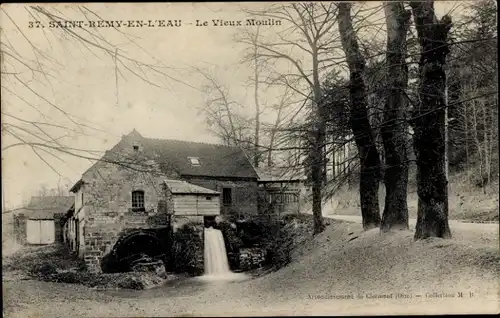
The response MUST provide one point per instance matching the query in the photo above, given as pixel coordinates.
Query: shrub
(232, 240)
(116, 280)
(186, 243)
(82, 267)
(43, 270)
(278, 236)
(75, 277)
(254, 232)
(280, 246)
(130, 283)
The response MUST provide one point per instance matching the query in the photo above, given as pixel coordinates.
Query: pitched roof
(183, 187)
(277, 174)
(215, 160)
(44, 207)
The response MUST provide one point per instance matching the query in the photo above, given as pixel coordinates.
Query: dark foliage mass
(277, 237)
(186, 242)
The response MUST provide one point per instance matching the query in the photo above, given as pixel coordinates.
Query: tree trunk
(270, 152)
(334, 161)
(317, 176)
(257, 110)
(428, 118)
(395, 215)
(361, 128)
(274, 130)
(486, 142)
(316, 190)
(318, 147)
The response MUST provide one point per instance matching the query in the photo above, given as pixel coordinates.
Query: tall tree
(220, 110)
(311, 35)
(283, 103)
(428, 122)
(257, 65)
(394, 127)
(472, 89)
(361, 128)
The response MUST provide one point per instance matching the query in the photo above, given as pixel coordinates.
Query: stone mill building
(143, 186)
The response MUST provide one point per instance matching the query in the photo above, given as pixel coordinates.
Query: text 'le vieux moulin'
(233, 23)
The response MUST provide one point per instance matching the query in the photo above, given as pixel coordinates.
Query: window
(208, 198)
(136, 148)
(138, 201)
(162, 206)
(194, 161)
(227, 198)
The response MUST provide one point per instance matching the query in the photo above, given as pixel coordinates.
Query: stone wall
(251, 258)
(244, 193)
(102, 232)
(108, 205)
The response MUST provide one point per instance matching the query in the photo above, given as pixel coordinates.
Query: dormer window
(195, 161)
(136, 147)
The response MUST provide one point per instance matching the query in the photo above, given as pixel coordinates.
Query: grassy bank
(53, 263)
(345, 260)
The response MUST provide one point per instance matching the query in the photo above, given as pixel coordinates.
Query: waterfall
(216, 263)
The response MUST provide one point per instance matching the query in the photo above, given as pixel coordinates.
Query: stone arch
(130, 244)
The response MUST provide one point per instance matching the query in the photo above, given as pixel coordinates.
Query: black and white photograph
(194, 159)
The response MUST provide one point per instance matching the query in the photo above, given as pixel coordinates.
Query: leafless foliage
(30, 72)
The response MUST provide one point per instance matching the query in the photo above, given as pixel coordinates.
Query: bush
(280, 245)
(130, 283)
(278, 237)
(70, 278)
(254, 232)
(232, 242)
(137, 281)
(232, 215)
(44, 270)
(186, 243)
(231, 238)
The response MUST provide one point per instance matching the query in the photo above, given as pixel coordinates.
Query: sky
(84, 85)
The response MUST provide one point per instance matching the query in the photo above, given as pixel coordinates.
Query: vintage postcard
(249, 159)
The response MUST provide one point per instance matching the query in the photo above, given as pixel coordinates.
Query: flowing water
(216, 262)
(217, 272)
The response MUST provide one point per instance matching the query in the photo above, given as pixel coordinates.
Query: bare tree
(472, 81)
(28, 77)
(428, 122)
(369, 157)
(256, 81)
(311, 33)
(394, 128)
(62, 189)
(280, 108)
(224, 116)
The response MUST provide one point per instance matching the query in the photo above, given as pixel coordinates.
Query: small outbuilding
(188, 199)
(280, 189)
(40, 222)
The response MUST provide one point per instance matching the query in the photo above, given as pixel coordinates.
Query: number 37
(34, 24)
